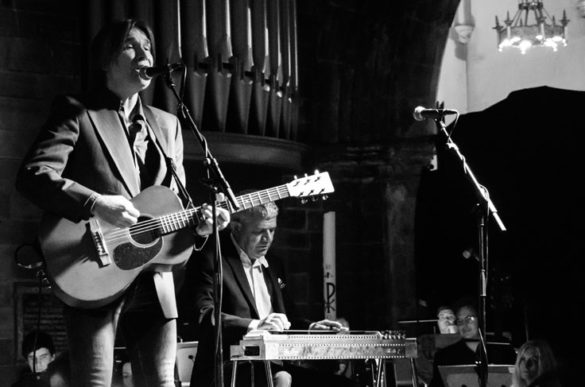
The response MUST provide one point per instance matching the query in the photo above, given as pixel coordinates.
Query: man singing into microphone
(92, 156)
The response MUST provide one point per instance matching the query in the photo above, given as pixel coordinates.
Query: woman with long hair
(535, 366)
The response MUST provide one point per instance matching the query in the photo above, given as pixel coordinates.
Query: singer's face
(255, 236)
(136, 53)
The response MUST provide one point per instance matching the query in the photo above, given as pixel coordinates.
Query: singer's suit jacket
(83, 150)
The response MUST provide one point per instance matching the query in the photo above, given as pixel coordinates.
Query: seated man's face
(467, 323)
(255, 236)
(43, 358)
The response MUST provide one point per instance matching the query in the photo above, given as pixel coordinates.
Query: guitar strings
(186, 216)
(156, 223)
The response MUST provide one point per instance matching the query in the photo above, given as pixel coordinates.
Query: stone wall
(39, 58)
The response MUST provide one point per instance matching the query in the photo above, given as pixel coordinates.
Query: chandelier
(529, 28)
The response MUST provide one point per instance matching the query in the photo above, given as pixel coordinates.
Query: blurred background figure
(535, 366)
(428, 344)
(127, 374)
(122, 370)
(38, 352)
(446, 320)
(344, 367)
(467, 351)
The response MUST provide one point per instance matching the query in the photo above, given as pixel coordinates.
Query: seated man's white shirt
(255, 274)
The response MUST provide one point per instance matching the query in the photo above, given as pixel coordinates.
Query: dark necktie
(138, 138)
(145, 153)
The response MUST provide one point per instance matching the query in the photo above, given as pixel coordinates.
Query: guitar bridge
(98, 240)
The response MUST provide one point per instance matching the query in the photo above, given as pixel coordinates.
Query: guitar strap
(183, 193)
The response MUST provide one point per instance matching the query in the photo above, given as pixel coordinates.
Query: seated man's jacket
(238, 306)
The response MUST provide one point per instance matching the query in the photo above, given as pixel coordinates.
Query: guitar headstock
(314, 186)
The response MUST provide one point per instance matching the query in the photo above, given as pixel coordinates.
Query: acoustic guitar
(90, 263)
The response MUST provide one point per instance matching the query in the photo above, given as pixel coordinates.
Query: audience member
(446, 320)
(467, 350)
(429, 344)
(38, 352)
(122, 370)
(344, 367)
(535, 366)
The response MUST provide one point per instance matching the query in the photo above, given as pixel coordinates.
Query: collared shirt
(140, 137)
(255, 274)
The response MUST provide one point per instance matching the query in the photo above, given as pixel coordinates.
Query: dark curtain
(240, 57)
(526, 150)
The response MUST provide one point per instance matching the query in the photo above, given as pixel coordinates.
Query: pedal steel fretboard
(316, 346)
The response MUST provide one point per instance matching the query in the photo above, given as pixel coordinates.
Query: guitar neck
(256, 198)
(192, 216)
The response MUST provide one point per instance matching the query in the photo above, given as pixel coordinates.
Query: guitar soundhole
(145, 231)
(147, 244)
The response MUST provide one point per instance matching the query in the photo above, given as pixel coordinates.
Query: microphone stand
(486, 208)
(216, 183)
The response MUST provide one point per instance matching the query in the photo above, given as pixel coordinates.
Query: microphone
(151, 72)
(420, 113)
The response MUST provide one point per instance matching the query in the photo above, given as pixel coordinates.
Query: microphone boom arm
(210, 160)
(481, 191)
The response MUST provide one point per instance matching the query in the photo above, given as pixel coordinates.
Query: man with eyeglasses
(467, 350)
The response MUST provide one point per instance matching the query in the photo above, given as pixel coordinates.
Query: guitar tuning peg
(304, 201)
(306, 175)
(324, 197)
(295, 177)
(314, 198)
(316, 171)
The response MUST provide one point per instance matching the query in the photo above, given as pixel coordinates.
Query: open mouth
(141, 71)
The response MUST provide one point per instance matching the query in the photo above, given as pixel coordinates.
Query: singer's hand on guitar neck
(205, 227)
(116, 210)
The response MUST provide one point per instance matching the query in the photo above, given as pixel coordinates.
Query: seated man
(254, 297)
(467, 350)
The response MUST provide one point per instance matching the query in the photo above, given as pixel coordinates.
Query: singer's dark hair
(109, 42)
